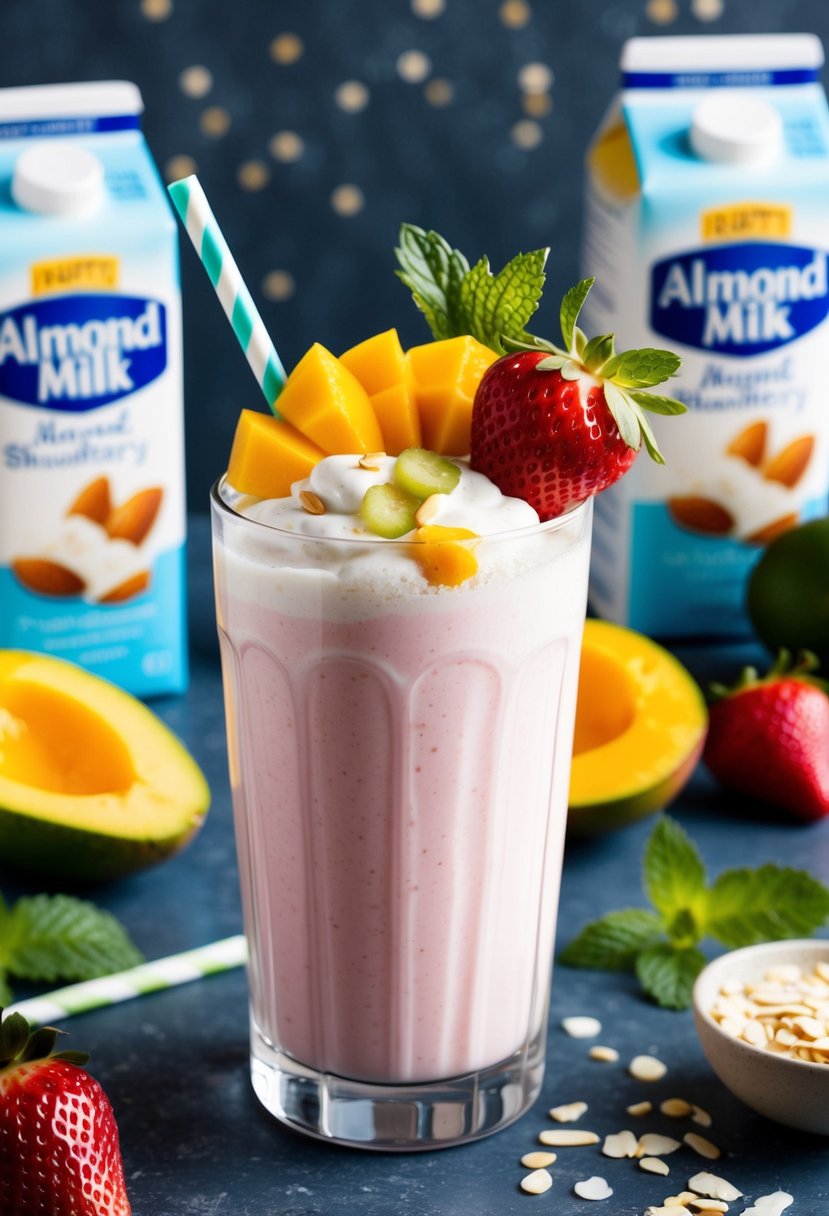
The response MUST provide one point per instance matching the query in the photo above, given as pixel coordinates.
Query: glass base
(395, 1118)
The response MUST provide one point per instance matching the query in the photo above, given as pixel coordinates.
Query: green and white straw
(194, 210)
(136, 981)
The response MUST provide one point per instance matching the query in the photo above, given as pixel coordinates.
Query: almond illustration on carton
(770, 532)
(134, 518)
(94, 501)
(791, 462)
(750, 444)
(125, 590)
(46, 577)
(699, 514)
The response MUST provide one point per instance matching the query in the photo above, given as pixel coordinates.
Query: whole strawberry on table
(59, 1148)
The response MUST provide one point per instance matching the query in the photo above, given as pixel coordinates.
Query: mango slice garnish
(442, 562)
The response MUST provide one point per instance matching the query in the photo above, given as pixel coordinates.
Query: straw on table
(192, 206)
(136, 981)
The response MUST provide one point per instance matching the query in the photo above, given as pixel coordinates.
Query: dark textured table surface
(195, 1140)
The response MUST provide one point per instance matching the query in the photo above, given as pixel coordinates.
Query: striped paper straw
(136, 981)
(194, 210)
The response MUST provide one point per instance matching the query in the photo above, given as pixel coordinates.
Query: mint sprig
(740, 908)
(50, 938)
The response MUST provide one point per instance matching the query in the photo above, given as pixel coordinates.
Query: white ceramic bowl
(790, 1091)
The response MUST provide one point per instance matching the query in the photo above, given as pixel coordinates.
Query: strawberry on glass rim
(555, 425)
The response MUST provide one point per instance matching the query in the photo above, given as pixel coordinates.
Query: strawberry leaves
(571, 306)
(741, 907)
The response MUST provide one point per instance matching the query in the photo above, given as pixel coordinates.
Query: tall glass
(399, 759)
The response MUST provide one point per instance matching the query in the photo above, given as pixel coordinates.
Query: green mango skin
(591, 818)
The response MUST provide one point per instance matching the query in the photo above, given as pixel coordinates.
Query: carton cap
(54, 177)
(736, 129)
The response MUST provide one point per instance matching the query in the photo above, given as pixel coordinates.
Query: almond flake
(609, 1055)
(708, 1205)
(364, 463)
(428, 510)
(682, 1199)
(581, 1027)
(653, 1165)
(714, 1187)
(622, 1144)
(638, 1109)
(702, 1146)
(672, 1209)
(700, 1116)
(676, 1108)
(567, 1139)
(537, 1160)
(374, 456)
(593, 1188)
(770, 1205)
(568, 1113)
(312, 503)
(654, 1145)
(537, 1182)
(647, 1068)
(754, 1034)
(783, 973)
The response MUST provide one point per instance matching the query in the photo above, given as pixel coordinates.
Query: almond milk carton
(92, 515)
(707, 228)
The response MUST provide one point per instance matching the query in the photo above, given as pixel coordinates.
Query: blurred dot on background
(537, 105)
(515, 14)
(428, 9)
(179, 166)
(286, 48)
(196, 81)
(253, 175)
(214, 121)
(439, 92)
(707, 10)
(278, 285)
(527, 134)
(535, 78)
(662, 12)
(348, 200)
(413, 66)
(286, 146)
(156, 10)
(352, 96)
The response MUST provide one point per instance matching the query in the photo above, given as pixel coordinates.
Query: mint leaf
(641, 368)
(433, 271)
(747, 906)
(57, 937)
(613, 942)
(667, 973)
(571, 306)
(498, 306)
(672, 870)
(657, 404)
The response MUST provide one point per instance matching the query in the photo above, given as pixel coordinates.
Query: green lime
(788, 591)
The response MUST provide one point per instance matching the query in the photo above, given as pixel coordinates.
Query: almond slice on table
(94, 501)
(675, 1108)
(537, 1182)
(652, 1144)
(620, 1144)
(708, 1205)
(568, 1113)
(608, 1055)
(700, 1117)
(45, 577)
(581, 1027)
(538, 1160)
(654, 1165)
(134, 518)
(750, 444)
(564, 1138)
(638, 1109)
(790, 463)
(703, 1147)
(770, 1205)
(714, 1187)
(593, 1188)
(647, 1068)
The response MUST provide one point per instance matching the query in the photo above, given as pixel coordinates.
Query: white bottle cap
(54, 177)
(736, 129)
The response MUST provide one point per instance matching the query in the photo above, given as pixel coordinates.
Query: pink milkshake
(399, 757)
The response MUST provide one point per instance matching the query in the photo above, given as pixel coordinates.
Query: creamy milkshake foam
(399, 819)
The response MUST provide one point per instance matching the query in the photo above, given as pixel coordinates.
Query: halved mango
(268, 455)
(641, 722)
(93, 785)
(385, 372)
(325, 401)
(447, 375)
(444, 563)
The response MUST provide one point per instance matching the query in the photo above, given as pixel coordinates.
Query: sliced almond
(714, 1187)
(593, 1188)
(45, 577)
(770, 1205)
(638, 1109)
(653, 1165)
(791, 462)
(700, 1116)
(672, 1209)
(568, 1113)
(750, 444)
(580, 1027)
(682, 1199)
(428, 510)
(609, 1055)
(647, 1068)
(538, 1160)
(654, 1145)
(703, 1147)
(754, 1034)
(620, 1144)
(708, 1205)
(312, 503)
(675, 1108)
(783, 973)
(695, 513)
(554, 1138)
(537, 1182)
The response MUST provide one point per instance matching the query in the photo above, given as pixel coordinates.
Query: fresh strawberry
(553, 425)
(59, 1151)
(769, 738)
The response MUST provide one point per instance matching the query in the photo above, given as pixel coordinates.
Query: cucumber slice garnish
(388, 510)
(423, 473)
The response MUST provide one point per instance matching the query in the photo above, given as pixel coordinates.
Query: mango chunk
(443, 563)
(447, 375)
(268, 455)
(325, 401)
(384, 371)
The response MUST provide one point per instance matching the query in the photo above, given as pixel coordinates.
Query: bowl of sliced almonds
(762, 1015)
